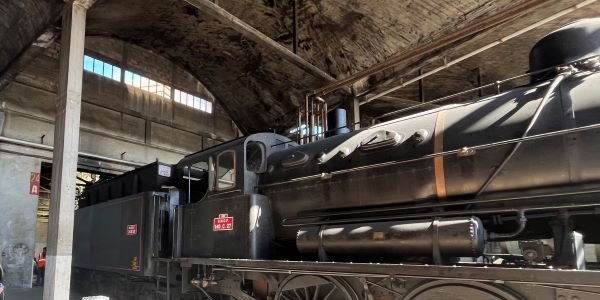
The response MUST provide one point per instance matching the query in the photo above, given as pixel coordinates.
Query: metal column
(66, 146)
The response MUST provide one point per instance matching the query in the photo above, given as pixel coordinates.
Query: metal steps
(162, 280)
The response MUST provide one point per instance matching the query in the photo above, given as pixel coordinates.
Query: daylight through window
(147, 84)
(107, 70)
(192, 101)
(101, 68)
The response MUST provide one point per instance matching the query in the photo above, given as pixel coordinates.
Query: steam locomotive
(449, 185)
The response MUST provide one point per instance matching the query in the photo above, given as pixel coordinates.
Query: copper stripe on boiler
(438, 161)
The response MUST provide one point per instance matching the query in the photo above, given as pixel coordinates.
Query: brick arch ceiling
(260, 90)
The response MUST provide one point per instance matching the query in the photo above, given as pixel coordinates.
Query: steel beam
(251, 33)
(66, 146)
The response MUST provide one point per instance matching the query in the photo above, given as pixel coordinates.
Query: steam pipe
(493, 236)
(312, 119)
(299, 127)
(325, 122)
(305, 139)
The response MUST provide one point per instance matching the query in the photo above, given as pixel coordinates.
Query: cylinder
(451, 237)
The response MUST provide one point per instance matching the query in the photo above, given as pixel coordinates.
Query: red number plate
(223, 223)
(132, 229)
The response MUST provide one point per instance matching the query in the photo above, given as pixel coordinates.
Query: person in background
(1, 282)
(41, 267)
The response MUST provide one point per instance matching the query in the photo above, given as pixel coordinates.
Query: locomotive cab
(219, 204)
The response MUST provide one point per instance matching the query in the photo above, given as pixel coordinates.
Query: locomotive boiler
(436, 186)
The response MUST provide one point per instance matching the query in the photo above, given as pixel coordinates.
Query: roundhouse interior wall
(117, 121)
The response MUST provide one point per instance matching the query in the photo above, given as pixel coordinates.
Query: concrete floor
(34, 293)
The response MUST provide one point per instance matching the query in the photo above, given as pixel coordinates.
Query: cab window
(255, 157)
(197, 177)
(226, 170)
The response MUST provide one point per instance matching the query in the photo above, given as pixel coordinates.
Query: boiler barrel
(454, 237)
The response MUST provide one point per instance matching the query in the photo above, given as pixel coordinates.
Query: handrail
(445, 153)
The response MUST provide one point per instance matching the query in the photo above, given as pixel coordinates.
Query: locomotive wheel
(453, 290)
(310, 287)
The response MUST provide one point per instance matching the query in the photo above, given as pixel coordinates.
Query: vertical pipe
(421, 87)
(299, 127)
(305, 140)
(325, 125)
(311, 138)
(479, 81)
(295, 26)
(317, 121)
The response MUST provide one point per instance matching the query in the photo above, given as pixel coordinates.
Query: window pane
(167, 92)
(107, 70)
(209, 107)
(196, 103)
(159, 89)
(98, 67)
(151, 86)
(176, 96)
(116, 73)
(137, 80)
(128, 77)
(226, 170)
(255, 157)
(189, 101)
(88, 63)
(203, 105)
(144, 82)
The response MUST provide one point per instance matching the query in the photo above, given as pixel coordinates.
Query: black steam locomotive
(445, 186)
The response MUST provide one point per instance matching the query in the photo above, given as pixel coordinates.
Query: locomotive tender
(447, 186)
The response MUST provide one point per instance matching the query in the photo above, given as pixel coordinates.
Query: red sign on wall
(34, 183)
(223, 222)
(132, 229)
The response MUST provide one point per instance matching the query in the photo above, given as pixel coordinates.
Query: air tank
(450, 237)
